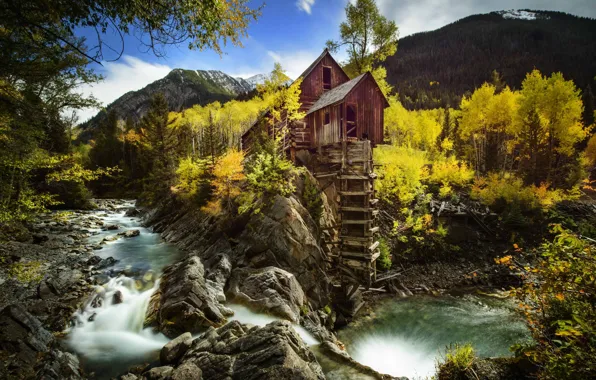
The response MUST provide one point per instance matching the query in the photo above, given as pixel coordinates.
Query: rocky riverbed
(45, 277)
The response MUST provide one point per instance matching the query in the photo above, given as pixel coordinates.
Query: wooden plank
(374, 246)
(358, 209)
(374, 201)
(351, 193)
(355, 177)
(352, 221)
(325, 175)
(366, 239)
(374, 230)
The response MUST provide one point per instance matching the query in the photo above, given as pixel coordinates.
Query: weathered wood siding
(312, 85)
(370, 109)
(311, 132)
(369, 103)
(312, 89)
(326, 134)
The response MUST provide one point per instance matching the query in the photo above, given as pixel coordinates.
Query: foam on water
(110, 337)
(406, 337)
(244, 315)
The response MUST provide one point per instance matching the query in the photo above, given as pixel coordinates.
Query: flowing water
(109, 337)
(403, 337)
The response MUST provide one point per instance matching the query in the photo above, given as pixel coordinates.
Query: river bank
(45, 277)
(68, 258)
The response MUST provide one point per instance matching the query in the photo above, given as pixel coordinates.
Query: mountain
(256, 79)
(436, 68)
(182, 89)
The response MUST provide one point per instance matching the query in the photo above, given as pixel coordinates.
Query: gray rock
(129, 376)
(105, 263)
(23, 337)
(93, 260)
(187, 371)
(171, 352)
(238, 351)
(183, 302)
(117, 297)
(285, 236)
(112, 227)
(269, 289)
(130, 233)
(132, 212)
(158, 373)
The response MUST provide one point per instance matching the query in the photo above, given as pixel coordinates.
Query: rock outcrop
(237, 351)
(270, 290)
(25, 343)
(183, 302)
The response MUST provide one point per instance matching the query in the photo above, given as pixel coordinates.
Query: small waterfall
(405, 337)
(106, 331)
(245, 315)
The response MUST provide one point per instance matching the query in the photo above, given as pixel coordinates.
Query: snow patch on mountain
(518, 14)
(231, 84)
(256, 79)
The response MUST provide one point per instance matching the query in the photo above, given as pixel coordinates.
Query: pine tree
(160, 143)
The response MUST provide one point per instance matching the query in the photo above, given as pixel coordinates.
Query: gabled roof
(335, 95)
(339, 93)
(316, 62)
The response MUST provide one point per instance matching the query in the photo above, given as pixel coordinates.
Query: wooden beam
(350, 193)
(364, 221)
(357, 209)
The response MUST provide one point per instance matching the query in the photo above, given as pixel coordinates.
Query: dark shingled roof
(336, 95)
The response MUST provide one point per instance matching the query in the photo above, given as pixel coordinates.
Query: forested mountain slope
(436, 68)
(181, 88)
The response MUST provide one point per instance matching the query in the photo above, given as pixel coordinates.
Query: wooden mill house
(343, 123)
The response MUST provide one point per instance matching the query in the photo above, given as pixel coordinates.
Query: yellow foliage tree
(228, 174)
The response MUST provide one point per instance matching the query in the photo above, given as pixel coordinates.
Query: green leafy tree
(367, 35)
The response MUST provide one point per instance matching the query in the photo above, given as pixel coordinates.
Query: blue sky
(292, 32)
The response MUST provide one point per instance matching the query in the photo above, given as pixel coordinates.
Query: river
(403, 337)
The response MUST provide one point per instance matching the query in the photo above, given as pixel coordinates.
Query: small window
(327, 118)
(326, 78)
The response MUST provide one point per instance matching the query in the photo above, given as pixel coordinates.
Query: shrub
(27, 272)
(508, 189)
(557, 302)
(458, 362)
(384, 260)
(401, 173)
(271, 175)
(451, 172)
(312, 199)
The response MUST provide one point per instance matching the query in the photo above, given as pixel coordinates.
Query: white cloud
(127, 74)
(305, 5)
(294, 62)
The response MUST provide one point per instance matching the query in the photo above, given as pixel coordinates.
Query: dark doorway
(326, 78)
(351, 121)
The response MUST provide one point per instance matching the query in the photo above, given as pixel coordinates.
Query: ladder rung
(357, 209)
(363, 221)
(374, 246)
(348, 193)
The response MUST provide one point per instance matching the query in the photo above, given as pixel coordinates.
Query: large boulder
(270, 289)
(285, 236)
(237, 351)
(174, 350)
(25, 344)
(183, 302)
